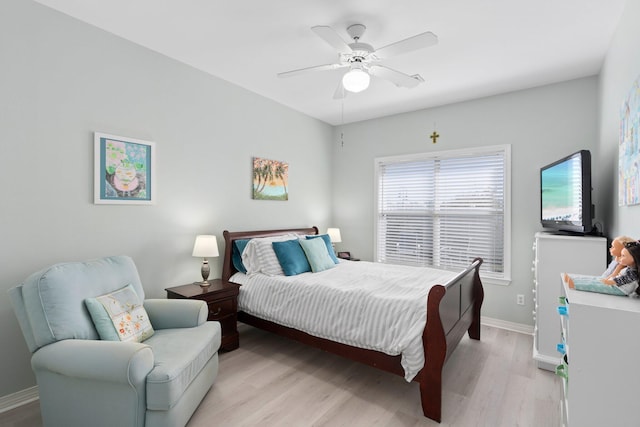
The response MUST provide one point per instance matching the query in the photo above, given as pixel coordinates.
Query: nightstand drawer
(220, 309)
(222, 306)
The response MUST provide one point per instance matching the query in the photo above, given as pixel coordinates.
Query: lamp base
(205, 270)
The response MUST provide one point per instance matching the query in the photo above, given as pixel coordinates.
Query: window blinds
(443, 211)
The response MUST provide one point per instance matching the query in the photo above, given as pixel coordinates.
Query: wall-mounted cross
(434, 136)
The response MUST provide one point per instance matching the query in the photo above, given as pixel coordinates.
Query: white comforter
(369, 305)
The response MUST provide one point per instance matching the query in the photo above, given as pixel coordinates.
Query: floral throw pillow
(119, 316)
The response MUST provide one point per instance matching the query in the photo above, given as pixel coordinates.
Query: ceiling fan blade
(419, 41)
(311, 69)
(330, 36)
(396, 77)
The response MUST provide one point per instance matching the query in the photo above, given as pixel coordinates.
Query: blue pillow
(236, 254)
(327, 241)
(291, 257)
(317, 254)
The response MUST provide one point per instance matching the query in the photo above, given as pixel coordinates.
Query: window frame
(505, 149)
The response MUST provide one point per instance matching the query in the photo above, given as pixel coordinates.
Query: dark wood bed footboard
(453, 309)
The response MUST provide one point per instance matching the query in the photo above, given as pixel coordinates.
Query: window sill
(495, 281)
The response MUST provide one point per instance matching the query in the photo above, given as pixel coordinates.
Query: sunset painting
(270, 179)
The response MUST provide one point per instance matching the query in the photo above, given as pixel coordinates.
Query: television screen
(566, 193)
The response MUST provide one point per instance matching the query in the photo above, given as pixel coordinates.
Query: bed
(452, 309)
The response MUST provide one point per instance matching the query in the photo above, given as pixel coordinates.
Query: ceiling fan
(362, 59)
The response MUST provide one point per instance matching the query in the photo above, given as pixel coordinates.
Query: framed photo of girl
(124, 170)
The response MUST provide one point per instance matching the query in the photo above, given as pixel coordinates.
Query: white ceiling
(485, 47)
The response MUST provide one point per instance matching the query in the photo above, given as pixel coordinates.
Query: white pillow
(120, 315)
(259, 257)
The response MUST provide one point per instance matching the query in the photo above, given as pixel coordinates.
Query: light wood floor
(272, 381)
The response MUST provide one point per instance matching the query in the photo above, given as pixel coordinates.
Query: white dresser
(555, 254)
(602, 342)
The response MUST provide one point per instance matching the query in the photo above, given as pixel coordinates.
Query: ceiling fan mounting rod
(356, 31)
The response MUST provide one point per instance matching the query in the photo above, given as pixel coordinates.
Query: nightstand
(347, 256)
(222, 301)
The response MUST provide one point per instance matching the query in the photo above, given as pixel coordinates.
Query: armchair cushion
(180, 355)
(119, 316)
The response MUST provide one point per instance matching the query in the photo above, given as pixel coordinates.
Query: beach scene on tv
(561, 192)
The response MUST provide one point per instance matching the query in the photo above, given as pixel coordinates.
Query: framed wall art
(270, 179)
(124, 171)
(629, 148)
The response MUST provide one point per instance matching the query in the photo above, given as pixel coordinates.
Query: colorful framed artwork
(124, 171)
(270, 179)
(629, 149)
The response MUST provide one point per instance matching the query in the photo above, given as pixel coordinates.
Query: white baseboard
(19, 398)
(510, 326)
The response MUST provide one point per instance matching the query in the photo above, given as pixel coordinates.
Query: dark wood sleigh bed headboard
(228, 268)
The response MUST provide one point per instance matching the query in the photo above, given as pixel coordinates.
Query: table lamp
(205, 247)
(334, 235)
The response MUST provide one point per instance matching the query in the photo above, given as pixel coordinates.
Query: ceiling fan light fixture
(356, 80)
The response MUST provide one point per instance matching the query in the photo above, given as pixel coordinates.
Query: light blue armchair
(85, 381)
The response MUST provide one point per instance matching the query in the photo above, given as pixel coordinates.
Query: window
(444, 209)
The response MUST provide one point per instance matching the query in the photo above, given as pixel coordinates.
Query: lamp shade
(205, 247)
(334, 235)
(356, 80)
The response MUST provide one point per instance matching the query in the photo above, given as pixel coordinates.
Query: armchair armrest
(87, 382)
(176, 313)
(109, 361)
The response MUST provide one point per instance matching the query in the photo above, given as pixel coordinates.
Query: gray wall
(619, 72)
(61, 80)
(541, 124)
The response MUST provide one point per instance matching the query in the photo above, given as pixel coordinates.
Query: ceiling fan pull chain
(342, 124)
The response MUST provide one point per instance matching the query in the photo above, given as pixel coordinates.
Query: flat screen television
(565, 194)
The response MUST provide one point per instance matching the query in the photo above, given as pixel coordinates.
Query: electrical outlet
(520, 299)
